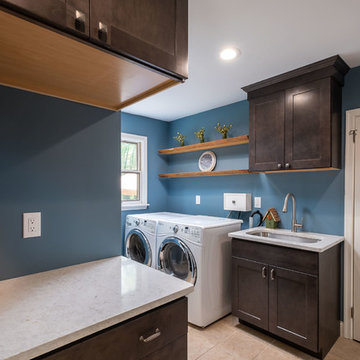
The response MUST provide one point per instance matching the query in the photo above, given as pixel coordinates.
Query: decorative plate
(207, 161)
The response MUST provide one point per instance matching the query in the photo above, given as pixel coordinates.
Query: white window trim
(142, 203)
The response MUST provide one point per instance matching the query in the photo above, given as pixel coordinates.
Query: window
(133, 172)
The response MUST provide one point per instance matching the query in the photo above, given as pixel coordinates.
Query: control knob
(175, 229)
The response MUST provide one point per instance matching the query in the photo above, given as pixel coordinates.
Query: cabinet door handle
(279, 166)
(79, 21)
(152, 337)
(263, 272)
(287, 165)
(272, 274)
(102, 32)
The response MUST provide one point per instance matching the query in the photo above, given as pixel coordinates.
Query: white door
(353, 187)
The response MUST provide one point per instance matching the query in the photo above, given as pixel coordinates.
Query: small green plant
(223, 130)
(200, 135)
(180, 138)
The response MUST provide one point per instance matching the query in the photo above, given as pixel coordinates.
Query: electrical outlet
(31, 225)
(257, 202)
(197, 199)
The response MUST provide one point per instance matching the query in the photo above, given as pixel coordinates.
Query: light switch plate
(31, 225)
(257, 202)
(197, 199)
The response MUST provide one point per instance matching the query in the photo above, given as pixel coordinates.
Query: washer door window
(176, 259)
(138, 247)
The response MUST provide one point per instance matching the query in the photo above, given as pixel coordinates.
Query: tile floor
(229, 340)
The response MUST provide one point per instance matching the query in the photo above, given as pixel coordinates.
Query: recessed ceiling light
(229, 53)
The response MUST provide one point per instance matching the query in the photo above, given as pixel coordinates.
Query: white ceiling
(274, 36)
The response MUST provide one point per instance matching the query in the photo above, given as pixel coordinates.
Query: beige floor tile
(239, 346)
(346, 349)
(331, 356)
(281, 351)
(198, 344)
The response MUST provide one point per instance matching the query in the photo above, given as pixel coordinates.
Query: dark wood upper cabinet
(72, 15)
(267, 127)
(153, 32)
(295, 118)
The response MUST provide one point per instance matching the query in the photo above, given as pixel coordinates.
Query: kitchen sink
(272, 235)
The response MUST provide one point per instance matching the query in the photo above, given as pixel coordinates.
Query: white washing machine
(140, 235)
(197, 249)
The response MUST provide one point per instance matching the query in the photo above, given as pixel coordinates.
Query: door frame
(349, 207)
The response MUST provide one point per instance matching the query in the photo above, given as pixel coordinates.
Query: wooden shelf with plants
(238, 140)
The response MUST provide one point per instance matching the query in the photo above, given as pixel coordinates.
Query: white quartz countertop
(41, 312)
(325, 241)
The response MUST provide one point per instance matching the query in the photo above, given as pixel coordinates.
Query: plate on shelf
(207, 161)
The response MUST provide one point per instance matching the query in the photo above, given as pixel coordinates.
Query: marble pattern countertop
(326, 241)
(41, 312)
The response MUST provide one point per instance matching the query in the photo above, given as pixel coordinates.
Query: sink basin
(284, 237)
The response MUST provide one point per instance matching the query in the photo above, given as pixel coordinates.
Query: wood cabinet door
(250, 291)
(266, 140)
(71, 15)
(154, 32)
(308, 125)
(293, 307)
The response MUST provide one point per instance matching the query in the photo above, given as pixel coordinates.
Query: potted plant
(180, 138)
(200, 135)
(223, 130)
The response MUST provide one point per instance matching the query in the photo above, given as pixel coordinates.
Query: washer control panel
(149, 225)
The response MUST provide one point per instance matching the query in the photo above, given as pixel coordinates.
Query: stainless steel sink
(272, 235)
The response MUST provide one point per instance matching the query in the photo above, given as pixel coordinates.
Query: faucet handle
(301, 225)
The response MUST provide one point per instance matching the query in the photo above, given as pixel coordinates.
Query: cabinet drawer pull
(272, 274)
(263, 272)
(279, 166)
(79, 21)
(152, 337)
(287, 165)
(103, 32)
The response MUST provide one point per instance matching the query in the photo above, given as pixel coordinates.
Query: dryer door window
(138, 247)
(176, 259)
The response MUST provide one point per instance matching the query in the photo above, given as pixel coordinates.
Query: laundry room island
(97, 310)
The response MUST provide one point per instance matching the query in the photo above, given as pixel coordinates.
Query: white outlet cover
(31, 225)
(257, 202)
(197, 199)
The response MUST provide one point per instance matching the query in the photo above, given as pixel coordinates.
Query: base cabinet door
(293, 312)
(154, 32)
(71, 15)
(250, 291)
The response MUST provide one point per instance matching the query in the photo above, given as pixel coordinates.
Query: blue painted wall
(157, 133)
(63, 159)
(319, 195)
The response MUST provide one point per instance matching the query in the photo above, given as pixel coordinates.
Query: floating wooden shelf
(205, 173)
(238, 140)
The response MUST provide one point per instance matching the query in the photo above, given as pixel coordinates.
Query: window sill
(129, 207)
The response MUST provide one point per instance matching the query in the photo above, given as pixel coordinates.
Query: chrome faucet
(294, 225)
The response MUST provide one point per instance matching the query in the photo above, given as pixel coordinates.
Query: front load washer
(140, 240)
(197, 249)
(140, 235)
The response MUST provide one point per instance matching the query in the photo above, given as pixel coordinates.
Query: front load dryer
(197, 249)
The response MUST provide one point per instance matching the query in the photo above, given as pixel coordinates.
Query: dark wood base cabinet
(290, 293)
(159, 334)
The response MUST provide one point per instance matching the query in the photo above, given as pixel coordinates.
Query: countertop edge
(337, 239)
(77, 335)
